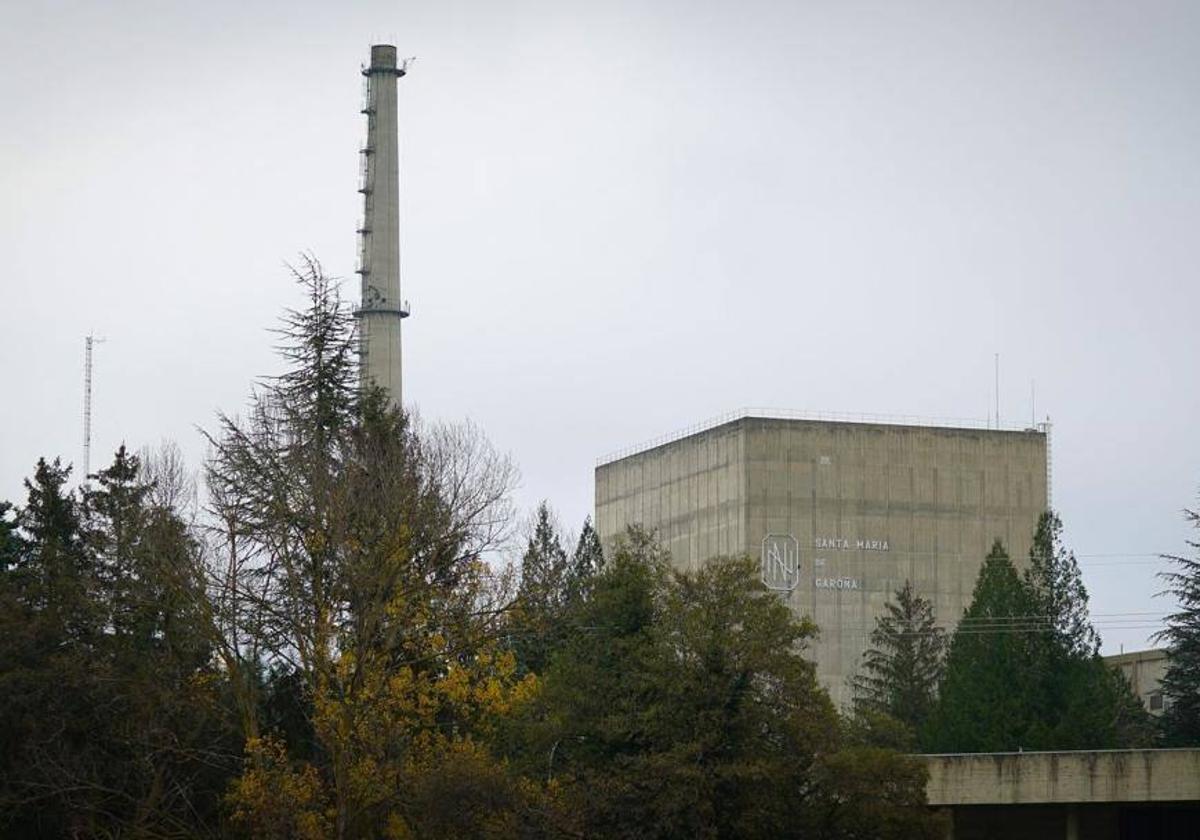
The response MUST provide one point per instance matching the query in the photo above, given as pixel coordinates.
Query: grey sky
(622, 218)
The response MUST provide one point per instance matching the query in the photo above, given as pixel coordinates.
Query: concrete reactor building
(840, 512)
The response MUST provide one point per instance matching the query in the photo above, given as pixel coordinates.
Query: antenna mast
(88, 342)
(997, 391)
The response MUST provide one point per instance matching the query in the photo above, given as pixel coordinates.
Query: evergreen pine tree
(903, 665)
(543, 565)
(55, 577)
(1057, 586)
(1181, 684)
(541, 597)
(114, 508)
(106, 688)
(986, 696)
(585, 564)
(51, 629)
(1023, 670)
(11, 544)
(147, 564)
(1083, 703)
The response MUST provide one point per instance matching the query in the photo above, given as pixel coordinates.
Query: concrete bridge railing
(1090, 776)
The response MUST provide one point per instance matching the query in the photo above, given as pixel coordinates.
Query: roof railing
(817, 416)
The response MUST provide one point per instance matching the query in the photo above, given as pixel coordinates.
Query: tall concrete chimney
(381, 309)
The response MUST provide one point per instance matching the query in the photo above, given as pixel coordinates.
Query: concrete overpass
(1084, 795)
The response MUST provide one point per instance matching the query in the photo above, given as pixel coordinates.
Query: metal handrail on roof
(818, 416)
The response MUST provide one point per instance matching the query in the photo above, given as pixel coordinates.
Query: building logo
(780, 562)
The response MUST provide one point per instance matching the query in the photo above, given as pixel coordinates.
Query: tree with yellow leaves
(360, 539)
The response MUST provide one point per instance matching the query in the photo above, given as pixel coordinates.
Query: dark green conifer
(1024, 671)
(986, 695)
(585, 563)
(11, 544)
(541, 596)
(903, 665)
(56, 578)
(1181, 684)
(1057, 587)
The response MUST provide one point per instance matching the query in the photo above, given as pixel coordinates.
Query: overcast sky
(622, 218)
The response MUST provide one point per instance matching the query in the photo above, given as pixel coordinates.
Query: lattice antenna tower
(89, 343)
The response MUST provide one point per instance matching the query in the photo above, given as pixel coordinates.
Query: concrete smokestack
(381, 310)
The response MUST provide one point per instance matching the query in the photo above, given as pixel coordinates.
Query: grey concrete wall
(692, 492)
(927, 504)
(1102, 776)
(871, 505)
(1145, 670)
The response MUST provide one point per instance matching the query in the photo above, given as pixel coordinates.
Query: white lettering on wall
(841, 544)
(837, 583)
